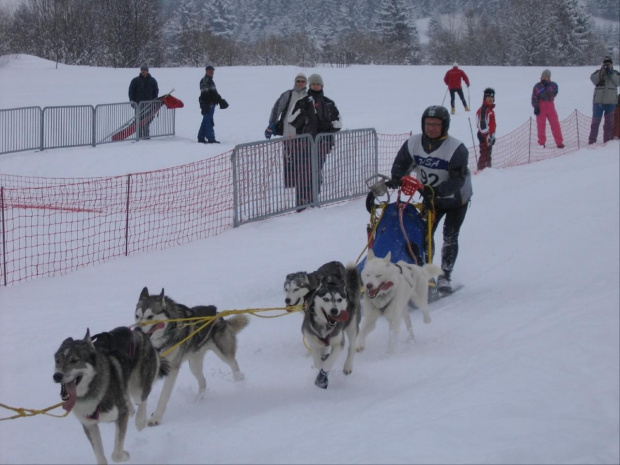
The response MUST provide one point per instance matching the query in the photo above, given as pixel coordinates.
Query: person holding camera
(605, 99)
(543, 95)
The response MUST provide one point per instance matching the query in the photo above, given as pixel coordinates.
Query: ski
(442, 295)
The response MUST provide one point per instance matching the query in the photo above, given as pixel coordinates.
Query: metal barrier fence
(33, 128)
(20, 129)
(281, 175)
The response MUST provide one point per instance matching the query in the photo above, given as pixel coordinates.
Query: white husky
(388, 289)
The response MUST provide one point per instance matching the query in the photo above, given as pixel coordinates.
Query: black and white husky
(219, 336)
(298, 285)
(332, 310)
(388, 289)
(100, 376)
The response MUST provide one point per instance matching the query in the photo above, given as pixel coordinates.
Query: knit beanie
(455, 64)
(489, 92)
(315, 79)
(546, 73)
(608, 60)
(301, 76)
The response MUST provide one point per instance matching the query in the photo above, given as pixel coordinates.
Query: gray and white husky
(298, 285)
(100, 376)
(332, 310)
(219, 336)
(388, 289)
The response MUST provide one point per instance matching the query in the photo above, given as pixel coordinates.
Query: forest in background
(171, 33)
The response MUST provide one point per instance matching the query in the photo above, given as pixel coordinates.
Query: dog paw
(321, 380)
(347, 371)
(121, 456)
(154, 421)
(359, 348)
(238, 376)
(140, 423)
(427, 318)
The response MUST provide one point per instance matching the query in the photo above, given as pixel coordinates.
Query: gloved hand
(270, 131)
(428, 196)
(608, 69)
(536, 110)
(545, 82)
(491, 139)
(223, 104)
(393, 183)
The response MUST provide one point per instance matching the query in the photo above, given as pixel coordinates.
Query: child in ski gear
(283, 108)
(143, 88)
(606, 79)
(312, 114)
(543, 95)
(440, 162)
(209, 97)
(485, 117)
(453, 80)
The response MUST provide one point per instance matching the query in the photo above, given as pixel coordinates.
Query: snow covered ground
(521, 366)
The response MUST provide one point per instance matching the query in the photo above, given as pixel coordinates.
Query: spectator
(312, 114)
(440, 162)
(543, 95)
(616, 131)
(279, 126)
(209, 97)
(486, 128)
(605, 100)
(453, 80)
(143, 88)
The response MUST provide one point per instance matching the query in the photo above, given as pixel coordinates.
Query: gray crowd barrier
(285, 174)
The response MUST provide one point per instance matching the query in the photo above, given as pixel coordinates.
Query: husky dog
(332, 309)
(298, 285)
(219, 336)
(388, 289)
(97, 379)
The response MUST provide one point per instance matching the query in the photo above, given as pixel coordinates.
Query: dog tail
(431, 270)
(238, 322)
(164, 367)
(353, 281)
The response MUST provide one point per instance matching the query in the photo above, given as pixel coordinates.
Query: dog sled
(146, 115)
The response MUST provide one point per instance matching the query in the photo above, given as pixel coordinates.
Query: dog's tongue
(384, 286)
(342, 316)
(69, 391)
(156, 327)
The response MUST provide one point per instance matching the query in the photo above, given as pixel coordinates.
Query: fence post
(577, 126)
(94, 127)
(3, 235)
(233, 162)
(127, 216)
(42, 129)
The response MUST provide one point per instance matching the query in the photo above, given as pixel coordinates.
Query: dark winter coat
(208, 93)
(453, 78)
(315, 114)
(544, 90)
(143, 88)
(440, 163)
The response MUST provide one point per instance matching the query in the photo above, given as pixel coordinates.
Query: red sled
(150, 111)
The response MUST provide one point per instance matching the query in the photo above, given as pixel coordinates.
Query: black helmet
(489, 92)
(437, 111)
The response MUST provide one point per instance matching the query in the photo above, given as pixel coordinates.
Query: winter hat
(301, 76)
(547, 73)
(209, 67)
(455, 64)
(489, 92)
(144, 68)
(608, 60)
(315, 79)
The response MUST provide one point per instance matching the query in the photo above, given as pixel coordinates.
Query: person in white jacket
(606, 79)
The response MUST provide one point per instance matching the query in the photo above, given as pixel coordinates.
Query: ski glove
(223, 104)
(491, 139)
(536, 110)
(270, 131)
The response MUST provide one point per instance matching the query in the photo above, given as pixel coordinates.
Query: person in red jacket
(453, 80)
(486, 128)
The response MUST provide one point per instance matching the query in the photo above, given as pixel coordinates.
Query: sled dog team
(102, 376)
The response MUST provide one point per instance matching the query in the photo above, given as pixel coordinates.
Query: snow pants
(486, 150)
(452, 94)
(451, 229)
(206, 130)
(547, 112)
(598, 109)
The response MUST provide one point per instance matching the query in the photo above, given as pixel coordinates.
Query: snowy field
(520, 367)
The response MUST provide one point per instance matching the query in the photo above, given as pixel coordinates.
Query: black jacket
(143, 88)
(315, 114)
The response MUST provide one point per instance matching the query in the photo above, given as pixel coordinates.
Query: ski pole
(444, 97)
(468, 99)
(472, 140)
